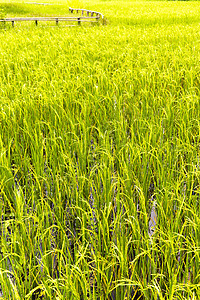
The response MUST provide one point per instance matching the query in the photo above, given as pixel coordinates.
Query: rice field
(100, 153)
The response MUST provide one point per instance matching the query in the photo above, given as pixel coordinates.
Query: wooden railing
(87, 12)
(91, 16)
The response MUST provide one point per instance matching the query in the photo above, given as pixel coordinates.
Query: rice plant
(99, 155)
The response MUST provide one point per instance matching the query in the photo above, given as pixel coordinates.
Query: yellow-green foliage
(99, 154)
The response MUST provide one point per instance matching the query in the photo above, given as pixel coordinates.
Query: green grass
(21, 10)
(100, 126)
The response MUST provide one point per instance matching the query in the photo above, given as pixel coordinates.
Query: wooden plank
(74, 20)
(89, 21)
(36, 3)
(47, 19)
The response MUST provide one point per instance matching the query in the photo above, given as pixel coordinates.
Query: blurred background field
(141, 13)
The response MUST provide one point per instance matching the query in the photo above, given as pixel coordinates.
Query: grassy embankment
(100, 126)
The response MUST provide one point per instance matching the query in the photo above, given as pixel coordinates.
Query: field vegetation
(100, 153)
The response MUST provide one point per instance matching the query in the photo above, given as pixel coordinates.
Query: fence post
(36, 22)
(56, 21)
(13, 23)
(79, 21)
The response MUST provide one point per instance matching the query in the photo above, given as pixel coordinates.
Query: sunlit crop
(99, 154)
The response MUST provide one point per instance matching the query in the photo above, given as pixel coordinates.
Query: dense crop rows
(99, 157)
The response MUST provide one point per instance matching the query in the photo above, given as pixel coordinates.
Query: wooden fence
(87, 12)
(91, 16)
